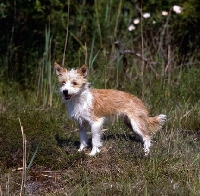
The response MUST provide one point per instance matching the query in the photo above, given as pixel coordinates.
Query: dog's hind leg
(138, 125)
(83, 135)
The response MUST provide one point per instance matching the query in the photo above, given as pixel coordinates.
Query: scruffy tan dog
(93, 107)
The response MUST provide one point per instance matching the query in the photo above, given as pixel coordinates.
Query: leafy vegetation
(158, 61)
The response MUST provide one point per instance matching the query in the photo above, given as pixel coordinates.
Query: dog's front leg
(83, 135)
(96, 136)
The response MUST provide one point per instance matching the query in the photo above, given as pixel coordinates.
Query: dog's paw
(94, 151)
(146, 153)
(81, 148)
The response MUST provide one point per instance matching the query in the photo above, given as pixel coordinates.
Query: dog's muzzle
(67, 96)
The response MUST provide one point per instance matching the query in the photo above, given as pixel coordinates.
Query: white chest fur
(79, 107)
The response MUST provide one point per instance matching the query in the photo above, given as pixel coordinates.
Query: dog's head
(72, 82)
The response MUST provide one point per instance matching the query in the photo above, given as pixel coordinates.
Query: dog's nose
(65, 92)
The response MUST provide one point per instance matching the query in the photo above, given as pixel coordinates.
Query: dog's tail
(156, 123)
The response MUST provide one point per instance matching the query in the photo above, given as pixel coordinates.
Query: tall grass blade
(67, 34)
(91, 50)
(91, 58)
(33, 157)
(1, 192)
(98, 22)
(44, 81)
(117, 19)
(23, 183)
(117, 68)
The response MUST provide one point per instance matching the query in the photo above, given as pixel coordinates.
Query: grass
(120, 169)
(56, 168)
(54, 165)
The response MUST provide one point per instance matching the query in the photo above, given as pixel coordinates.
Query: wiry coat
(92, 107)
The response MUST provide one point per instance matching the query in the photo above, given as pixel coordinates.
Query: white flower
(177, 9)
(146, 15)
(164, 13)
(136, 21)
(154, 22)
(131, 27)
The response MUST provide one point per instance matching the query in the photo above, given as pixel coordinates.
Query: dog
(91, 108)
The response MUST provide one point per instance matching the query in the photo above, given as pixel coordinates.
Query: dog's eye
(63, 82)
(74, 83)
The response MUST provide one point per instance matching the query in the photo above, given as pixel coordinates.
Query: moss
(40, 127)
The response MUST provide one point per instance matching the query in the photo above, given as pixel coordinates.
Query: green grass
(165, 86)
(56, 168)
(120, 169)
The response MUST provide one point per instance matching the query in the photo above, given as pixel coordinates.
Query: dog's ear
(83, 70)
(59, 69)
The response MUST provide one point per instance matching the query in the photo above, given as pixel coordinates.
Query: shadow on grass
(111, 137)
(122, 136)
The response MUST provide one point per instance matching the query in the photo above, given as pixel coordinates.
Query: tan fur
(92, 107)
(154, 124)
(119, 103)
